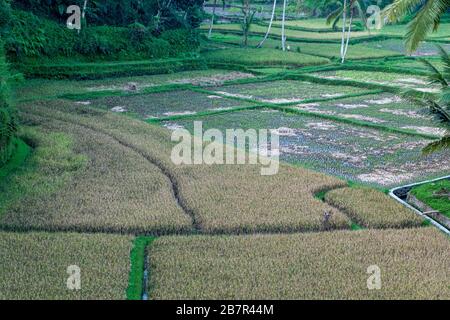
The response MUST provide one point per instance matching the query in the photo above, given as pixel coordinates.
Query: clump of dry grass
(34, 265)
(325, 265)
(117, 190)
(372, 208)
(220, 198)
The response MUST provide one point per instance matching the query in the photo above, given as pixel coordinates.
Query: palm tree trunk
(270, 24)
(348, 36)
(344, 21)
(212, 19)
(283, 35)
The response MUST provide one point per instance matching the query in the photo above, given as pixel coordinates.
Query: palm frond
(436, 146)
(334, 17)
(400, 8)
(435, 75)
(445, 57)
(426, 20)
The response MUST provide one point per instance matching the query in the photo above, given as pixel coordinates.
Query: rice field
(117, 190)
(413, 264)
(285, 91)
(367, 155)
(372, 209)
(101, 166)
(47, 88)
(386, 109)
(328, 50)
(166, 104)
(33, 266)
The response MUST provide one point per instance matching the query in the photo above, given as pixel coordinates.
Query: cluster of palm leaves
(427, 17)
(441, 105)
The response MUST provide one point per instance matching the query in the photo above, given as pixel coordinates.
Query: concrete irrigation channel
(434, 217)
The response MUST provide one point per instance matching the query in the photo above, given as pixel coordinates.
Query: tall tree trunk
(348, 35)
(245, 9)
(212, 19)
(270, 24)
(283, 35)
(344, 21)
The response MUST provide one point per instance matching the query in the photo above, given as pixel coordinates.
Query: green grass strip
(20, 154)
(204, 114)
(137, 259)
(123, 93)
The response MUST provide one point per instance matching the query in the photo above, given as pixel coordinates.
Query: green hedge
(30, 37)
(8, 125)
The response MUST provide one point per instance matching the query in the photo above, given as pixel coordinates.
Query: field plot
(332, 265)
(117, 190)
(262, 57)
(218, 198)
(397, 45)
(403, 81)
(329, 50)
(285, 91)
(371, 156)
(372, 208)
(435, 194)
(166, 104)
(41, 88)
(34, 265)
(386, 109)
(290, 34)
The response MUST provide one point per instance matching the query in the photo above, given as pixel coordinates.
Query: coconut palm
(427, 18)
(335, 16)
(441, 105)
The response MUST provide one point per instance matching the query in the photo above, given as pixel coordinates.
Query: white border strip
(434, 222)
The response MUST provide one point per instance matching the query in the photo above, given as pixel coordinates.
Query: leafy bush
(7, 116)
(29, 36)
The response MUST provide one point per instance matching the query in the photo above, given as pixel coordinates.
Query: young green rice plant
(262, 57)
(34, 266)
(413, 264)
(372, 208)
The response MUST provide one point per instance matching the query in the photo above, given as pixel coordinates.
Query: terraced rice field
(105, 194)
(370, 156)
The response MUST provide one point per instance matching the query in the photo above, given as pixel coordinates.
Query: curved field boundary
(164, 170)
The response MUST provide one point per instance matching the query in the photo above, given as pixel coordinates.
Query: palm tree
(270, 24)
(440, 106)
(427, 18)
(344, 8)
(335, 16)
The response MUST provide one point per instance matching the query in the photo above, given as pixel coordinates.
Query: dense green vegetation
(7, 115)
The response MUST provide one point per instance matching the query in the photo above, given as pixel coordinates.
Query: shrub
(8, 125)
